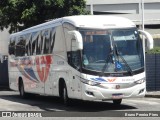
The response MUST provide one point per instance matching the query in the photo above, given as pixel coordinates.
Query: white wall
(4, 39)
(131, 7)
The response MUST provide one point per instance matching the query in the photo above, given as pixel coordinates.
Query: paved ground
(11, 101)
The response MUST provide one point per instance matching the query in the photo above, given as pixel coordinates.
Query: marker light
(140, 81)
(90, 82)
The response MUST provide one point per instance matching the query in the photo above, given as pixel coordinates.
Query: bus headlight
(90, 82)
(140, 81)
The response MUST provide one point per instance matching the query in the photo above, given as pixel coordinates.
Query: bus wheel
(117, 102)
(21, 89)
(65, 95)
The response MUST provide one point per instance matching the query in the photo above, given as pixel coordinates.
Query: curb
(5, 89)
(153, 96)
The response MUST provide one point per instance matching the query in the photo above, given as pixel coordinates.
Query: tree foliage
(21, 14)
(155, 50)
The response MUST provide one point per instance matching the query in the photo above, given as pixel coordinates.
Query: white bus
(79, 57)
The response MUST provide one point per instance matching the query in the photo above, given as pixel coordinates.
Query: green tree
(21, 14)
(155, 50)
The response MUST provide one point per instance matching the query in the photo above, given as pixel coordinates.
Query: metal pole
(91, 8)
(142, 12)
(142, 4)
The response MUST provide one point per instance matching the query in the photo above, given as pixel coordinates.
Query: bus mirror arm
(77, 42)
(149, 39)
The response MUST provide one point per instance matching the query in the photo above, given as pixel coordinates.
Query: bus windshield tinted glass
(98, 45)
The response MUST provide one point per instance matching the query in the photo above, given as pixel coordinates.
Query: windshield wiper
(109, 57)
(125, 62)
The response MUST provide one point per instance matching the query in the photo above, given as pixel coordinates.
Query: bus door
(76, 75)
(75, 83)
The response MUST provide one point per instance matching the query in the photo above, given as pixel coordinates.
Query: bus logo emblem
(111, 79)
(117, 86)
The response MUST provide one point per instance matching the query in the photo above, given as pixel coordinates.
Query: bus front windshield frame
(112, 50)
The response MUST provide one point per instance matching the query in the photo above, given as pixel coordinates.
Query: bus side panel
(12, 72)
(58, 63)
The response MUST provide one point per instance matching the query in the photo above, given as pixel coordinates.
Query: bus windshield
(113, 50)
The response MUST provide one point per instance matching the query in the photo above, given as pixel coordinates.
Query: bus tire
(21, 89)
(65, 98)
(117, 102)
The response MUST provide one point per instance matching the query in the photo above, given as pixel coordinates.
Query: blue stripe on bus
(99, 79)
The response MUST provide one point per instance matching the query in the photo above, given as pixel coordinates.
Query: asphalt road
(11, 101)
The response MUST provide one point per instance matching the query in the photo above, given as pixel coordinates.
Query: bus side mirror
(76, 40)
(149, 39)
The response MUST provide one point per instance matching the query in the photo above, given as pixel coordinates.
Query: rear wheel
(117, 102)
(21, 89)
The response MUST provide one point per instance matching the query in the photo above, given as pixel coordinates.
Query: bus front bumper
(92, 93)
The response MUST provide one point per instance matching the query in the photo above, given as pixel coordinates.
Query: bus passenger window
(52, 37)
(20, 46)
(12, 47)
(39, 44)
(33, 47)
(46, 46)
(34, 40)
(46, 42)
(28, 48)
(28, 44)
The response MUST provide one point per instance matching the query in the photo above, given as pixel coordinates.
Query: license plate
(117, 96)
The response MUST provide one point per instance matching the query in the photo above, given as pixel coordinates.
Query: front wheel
(65, 95)
(117, 102)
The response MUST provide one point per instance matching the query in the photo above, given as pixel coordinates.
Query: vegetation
(155, 50)
(21, 14)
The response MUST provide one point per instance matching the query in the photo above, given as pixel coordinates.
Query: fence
(153, 72)
(4, 82)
